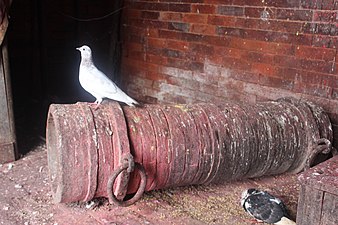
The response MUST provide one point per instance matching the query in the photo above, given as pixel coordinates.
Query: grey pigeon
(265, 207)
(97, 83)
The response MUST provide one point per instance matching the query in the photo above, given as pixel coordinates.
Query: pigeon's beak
(78, 48)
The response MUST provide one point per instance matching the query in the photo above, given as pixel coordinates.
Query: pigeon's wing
(101, 82)
(265, 207)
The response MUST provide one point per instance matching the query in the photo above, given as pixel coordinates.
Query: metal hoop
(138, 194)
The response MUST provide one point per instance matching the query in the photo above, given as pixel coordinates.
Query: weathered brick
(283, 3)
(308, 52)
(230, 10)
(292, 14)
(258, 57)
(179, 7)
(307, 77)
(170, 16)
(311, 4)
(321, 41)
(315, 90)
(158, 6)
(203, 8)
(275, 82)
(177, 44)
(246, 76)
(264, 69)
(150, 15)
(328, 4)
(195, 18)
(330, 80)
(226, 21)
(203, 29)
(251, 48)
(192, 37)
(324, 16)
(262, 46)
(184, 27)
(169, 34)
(171, 53)
(335, 97)
(156, 42)
(259, 12)
(235, 32)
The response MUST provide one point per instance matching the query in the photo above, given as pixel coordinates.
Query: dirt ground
(26, 198)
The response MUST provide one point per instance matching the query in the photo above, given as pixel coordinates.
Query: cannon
(113, 151)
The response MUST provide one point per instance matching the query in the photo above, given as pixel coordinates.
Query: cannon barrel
(121, 150)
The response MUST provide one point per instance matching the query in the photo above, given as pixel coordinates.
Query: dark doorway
(42, 37)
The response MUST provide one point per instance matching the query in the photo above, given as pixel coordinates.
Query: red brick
(262, 46)
(226, 21)
(238, 64)
(203, 8)
(258, 57)
(177, 44)
(328, 4)
(321, 41)
(245, 76)
(192, 37)
(287, 61)
(287, 73)
(256, 12)
(150, 15)
(306, 77)
(217, 40)
(229, 52)
(195, 18)
(201, 48)
(311, 4)
(335, 97)
(185, 64)
(133, 13)
(169, 34)
(283, 3)
(308, 52)
(230, 10)
(170, 16)
(151, 6)
(179, 7)
(171, 53)
(330, 80)
(292, 14)
(227, 31)
(156, 59)
(275, 82)
(317, 65)
(156, 42)
(154, 50)
(264, 69)
(324, 16)
(203, 29)
(315, 90)
(325, 29)
(184, 27)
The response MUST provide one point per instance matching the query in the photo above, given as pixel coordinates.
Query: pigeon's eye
(83, 49)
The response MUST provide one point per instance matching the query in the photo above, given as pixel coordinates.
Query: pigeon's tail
(131, 102)
(285, 221)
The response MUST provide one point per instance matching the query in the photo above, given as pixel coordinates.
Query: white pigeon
(97, 83)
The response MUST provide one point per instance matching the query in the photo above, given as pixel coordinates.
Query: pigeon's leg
(96, 103)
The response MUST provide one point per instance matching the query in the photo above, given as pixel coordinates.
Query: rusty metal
(139, 192)
(177, 145)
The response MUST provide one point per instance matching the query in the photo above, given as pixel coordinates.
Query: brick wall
(242, 50)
